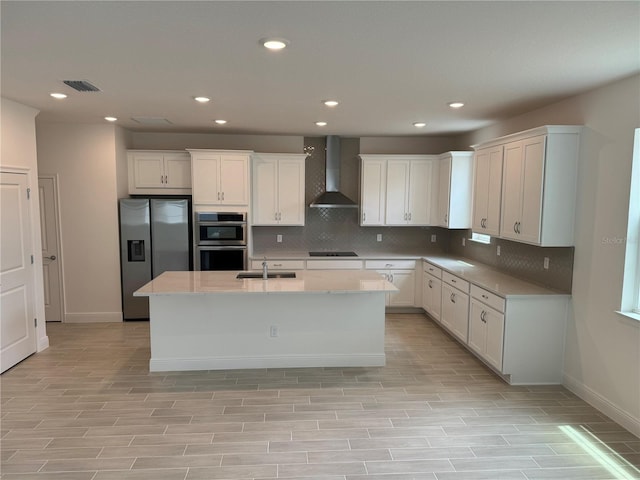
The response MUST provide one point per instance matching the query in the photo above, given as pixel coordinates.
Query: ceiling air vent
(151, 121)
(81, 85)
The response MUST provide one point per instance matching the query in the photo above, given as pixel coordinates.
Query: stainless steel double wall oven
(220, 241)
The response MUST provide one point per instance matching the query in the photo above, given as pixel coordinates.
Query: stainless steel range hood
(332, 197)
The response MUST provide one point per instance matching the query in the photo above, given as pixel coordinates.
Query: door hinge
(32, 260)
(35, 322)
(28, 193)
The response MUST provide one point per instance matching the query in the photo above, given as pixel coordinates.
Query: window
(630, 304)
(481, 238)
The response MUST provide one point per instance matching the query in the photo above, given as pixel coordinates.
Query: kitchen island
(212, 320)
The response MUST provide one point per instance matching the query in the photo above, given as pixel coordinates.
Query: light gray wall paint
(181, 141)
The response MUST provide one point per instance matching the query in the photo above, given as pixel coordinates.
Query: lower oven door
(221, 258)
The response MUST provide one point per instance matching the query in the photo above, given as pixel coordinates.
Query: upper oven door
(221, 233)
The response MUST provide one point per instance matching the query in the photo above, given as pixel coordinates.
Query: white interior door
(18, 339)
(50, 249)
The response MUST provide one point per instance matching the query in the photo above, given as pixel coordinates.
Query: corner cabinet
(159, 172)
(487, 190)
(278, 189)
(220, 177)
(402, 274)
(432, 290)
(398, 190)
(539, 180)
(454, 186)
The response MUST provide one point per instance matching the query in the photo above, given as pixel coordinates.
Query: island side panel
(230, 331)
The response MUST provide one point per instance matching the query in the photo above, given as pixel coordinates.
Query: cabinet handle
(409, 216)
(218, 195)
(364, 216)
(453, 280)
(482, 316)
(166, 181)
(430, 284)
(161, 178)
(391, 275)
(277, 264)
(453, 298)
(515, 227)
(519, 227)
(446, 218)
(484, 296)
(222, 195)
(483, 223)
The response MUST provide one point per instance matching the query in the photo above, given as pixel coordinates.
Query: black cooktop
(333, 254)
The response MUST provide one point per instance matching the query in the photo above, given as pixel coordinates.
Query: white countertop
(306, 281)
(477, 273)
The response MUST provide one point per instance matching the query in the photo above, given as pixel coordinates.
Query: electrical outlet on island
(279, 238)
(433, 238)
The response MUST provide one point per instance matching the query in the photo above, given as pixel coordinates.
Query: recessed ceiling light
(419, 124)
(456, 104)
(321, 124)
(331, 103)
(201, 99)
(110, 119)
(59, 96)
(274, 43)
(220, 122)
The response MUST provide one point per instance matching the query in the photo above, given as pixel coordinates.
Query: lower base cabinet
(455, 311)
(432, 295)
(403, 276)
(486, 333)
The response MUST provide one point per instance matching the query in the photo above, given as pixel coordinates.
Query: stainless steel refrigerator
(154, 238)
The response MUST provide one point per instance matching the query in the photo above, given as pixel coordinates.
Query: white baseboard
(93, 317)
(271, 361)
(596, 400)
(43, 343)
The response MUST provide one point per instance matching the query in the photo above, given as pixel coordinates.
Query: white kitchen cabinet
(278, 189)
(432, 290)
(486, 331)
(455, 306)
(487, 190)
(454, 189)
(539, 185)
(159, 172)
(410, 189)
(401, 273)
(373, 185)
(220, 177)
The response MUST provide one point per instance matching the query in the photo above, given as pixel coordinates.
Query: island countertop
(306, 281)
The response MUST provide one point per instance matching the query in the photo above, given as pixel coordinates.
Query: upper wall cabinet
(398, 189)
(454, 187)
(539, 180)
(278, 189)
(220, 177)
(487, 190)
(155, 172)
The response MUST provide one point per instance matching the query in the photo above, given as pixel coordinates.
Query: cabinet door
(373, 187)
(486, 332)
(405, 281)
(455, 311)
(511, 190)
(265, 192)
(148, 170)
(397, 192)
(177, 170)
(432, 295)
(419, 201)
(532, 181)
(234, 188)
(205, 173)
(291, 206)
(444, 191)
(481, 179)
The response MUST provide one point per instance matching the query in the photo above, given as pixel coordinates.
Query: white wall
(602, 354)
(180, 141)
(84, 158)
(18, 152)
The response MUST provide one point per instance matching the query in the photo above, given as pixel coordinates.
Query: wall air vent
(81, 85)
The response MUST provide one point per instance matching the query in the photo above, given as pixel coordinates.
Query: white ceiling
(388, 63)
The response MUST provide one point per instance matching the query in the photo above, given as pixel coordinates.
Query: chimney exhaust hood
(332, 197)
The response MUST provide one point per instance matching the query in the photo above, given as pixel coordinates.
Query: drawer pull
(277, 264)
(485, 297)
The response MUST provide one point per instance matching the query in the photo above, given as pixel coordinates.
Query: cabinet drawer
(395, 264)
(488, 298)
(432, 270)
(454, 281)
(279, 264)
(334, 264)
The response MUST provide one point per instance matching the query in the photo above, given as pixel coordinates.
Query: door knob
(52, 257)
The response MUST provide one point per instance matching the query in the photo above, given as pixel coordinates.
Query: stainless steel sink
(269, 275)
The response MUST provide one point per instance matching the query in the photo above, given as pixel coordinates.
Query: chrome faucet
(265, 272)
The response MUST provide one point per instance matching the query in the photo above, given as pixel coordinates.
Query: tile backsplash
(519, 259)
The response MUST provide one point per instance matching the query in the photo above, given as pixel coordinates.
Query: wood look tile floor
(88, 409)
